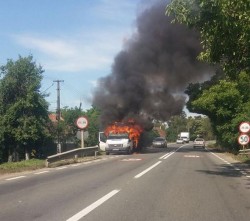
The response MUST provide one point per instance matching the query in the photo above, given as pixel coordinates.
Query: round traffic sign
(244, 127)
(82, 122)
(243, 139)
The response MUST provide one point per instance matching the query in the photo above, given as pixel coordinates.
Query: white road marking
(145, 171)
(164, 158)
(15, 178)
(46, 171)
(131, 159)
(93, 206)
(234, 167)
(192, 156)
(76, 165)
(61, 168)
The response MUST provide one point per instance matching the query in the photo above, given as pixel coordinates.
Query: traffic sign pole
(243, 139)
(82, 123)
(82, 139)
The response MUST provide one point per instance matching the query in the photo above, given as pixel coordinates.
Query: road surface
(174, 183)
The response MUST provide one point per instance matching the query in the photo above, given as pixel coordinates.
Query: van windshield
(118, 136)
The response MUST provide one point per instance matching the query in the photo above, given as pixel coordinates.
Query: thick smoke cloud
(150, 74)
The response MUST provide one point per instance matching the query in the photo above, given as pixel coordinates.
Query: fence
(245, 151)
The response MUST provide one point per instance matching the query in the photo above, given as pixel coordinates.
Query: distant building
(53, 118)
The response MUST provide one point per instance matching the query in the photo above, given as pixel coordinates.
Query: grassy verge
(72, 161)
(14, 167)
(34, 164)
(243, 158)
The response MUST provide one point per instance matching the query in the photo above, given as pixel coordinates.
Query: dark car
(159, 142)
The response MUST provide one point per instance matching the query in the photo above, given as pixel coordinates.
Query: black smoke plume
(150, 74)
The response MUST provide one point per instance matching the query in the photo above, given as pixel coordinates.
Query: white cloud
(91, 46)
(73, 54)
(94, 83)
(54, 47)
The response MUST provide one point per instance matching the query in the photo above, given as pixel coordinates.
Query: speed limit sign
(244, 127)
(243, 139)
(82, 122)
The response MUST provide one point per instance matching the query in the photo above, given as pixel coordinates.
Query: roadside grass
(73, 161)
(25, 165)
(34, 164)
(243, 158)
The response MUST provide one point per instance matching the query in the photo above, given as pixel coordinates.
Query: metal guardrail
(72, 154)
(245, 151)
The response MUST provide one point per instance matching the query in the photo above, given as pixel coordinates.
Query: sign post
(82, 123)
(243, 138)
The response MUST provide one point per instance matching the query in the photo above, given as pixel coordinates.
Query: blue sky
(73, 40)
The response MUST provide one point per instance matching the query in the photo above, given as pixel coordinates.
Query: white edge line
(75, 165)
(46, 171)
(61, 168)
(91, 207)
(145, 171)
(15, 178)
(235, 168)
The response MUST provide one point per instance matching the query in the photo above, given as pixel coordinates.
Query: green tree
(93, 116)
(24, 115)
(224, 26)
(226, 106)
(68, 129)
(176, 124)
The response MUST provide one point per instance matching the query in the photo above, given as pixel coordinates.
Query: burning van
(120, 137)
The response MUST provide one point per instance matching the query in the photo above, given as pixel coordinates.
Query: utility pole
(58, 115)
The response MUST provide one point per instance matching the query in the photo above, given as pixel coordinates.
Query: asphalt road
(175, 183)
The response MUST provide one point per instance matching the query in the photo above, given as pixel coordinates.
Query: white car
(199, 142)
(180, 141)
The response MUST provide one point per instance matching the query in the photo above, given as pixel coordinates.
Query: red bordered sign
(82, 122)
(244, 127)
(243, 139)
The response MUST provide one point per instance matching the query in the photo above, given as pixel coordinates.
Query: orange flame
(130, 127)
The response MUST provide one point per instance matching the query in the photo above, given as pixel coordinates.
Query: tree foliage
(24, 116)
(224, 26)
(68, 129)
(197, 126)
(226, 104)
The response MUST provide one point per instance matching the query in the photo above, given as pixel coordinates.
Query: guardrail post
(96, 154)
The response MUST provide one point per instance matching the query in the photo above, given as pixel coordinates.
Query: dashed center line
(145, 171)
(93, 206)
